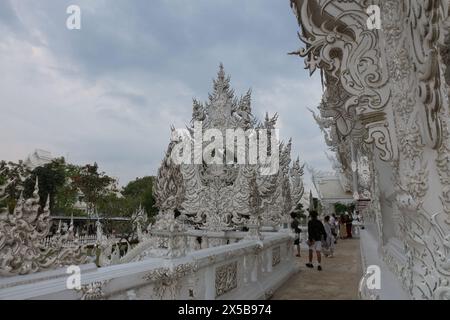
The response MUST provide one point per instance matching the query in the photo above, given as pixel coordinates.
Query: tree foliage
(50, 177)
(66, 184)
(94, 185)
(67, 194)
(340, 208)
(141, 192)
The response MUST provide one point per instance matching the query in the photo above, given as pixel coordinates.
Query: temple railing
(248, 269)
(80, 240)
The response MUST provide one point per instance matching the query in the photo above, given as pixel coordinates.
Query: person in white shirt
(329, 242)
(332, 220)
(334, 227)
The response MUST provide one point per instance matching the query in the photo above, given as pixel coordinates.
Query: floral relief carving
(276, 256)
(226, 278)
(93, 291)
(167, 280)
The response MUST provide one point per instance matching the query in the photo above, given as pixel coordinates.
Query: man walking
(295, 225)
(316, 233)
(348, 225)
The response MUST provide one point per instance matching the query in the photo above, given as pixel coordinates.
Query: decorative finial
(222, 83)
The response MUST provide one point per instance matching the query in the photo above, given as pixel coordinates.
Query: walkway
(338, 281)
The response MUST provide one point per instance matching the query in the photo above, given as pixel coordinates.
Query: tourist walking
(334, 227)
(295, 225)
(342, 227)
(316, 234)
(348, 225)
(329, 242)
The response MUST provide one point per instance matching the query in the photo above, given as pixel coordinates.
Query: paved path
(338, 280)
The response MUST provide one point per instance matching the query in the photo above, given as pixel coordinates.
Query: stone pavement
(338, 281)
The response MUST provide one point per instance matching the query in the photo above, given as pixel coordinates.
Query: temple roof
(38, 158)
(329, 189)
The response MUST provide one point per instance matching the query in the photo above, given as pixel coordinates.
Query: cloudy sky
(110, 91)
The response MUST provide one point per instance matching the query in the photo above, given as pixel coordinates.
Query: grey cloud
(8, 16)
(110, 91)
(132, 98)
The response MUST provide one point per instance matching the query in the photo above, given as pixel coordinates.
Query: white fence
(247, 269)
(80, 240)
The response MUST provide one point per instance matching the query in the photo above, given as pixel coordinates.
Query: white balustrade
(248, 269)
(84, 240)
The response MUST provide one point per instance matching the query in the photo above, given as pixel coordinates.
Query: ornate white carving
(168, 279)
(93, 291)
(22, 249)
(388, 88)
(219, 197)
(226, 278)
(276, 256)
(140, 221)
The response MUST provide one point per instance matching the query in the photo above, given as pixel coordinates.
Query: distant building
(330, 190)
(38, 158)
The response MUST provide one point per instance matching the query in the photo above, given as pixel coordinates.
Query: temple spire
(222, 84)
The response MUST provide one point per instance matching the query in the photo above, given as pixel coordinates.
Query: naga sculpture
(22, 249)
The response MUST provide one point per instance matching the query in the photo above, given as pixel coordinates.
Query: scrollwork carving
(226, 278)
(93, 291)
(276, 256)
(22, 235)
(168, 279)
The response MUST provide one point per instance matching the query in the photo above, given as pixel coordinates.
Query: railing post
(210, 283)
(269, 255)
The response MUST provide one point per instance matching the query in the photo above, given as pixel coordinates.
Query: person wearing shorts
(315, 246)
(328, 244)
(295, 225)
(316, 233)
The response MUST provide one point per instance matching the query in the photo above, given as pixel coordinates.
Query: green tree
(94, 185)
(115, 206)
(51, 177)
(341, 208)
(300, 213)
(67, 193)
(140, 192)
